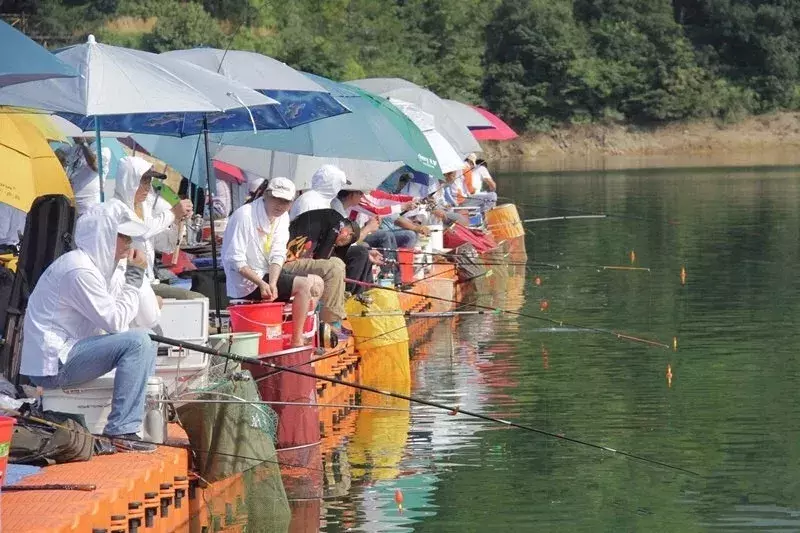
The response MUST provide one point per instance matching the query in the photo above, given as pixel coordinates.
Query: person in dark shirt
(323, 234)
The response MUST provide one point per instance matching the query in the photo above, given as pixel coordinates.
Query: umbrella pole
(99, 158)
(214, 266)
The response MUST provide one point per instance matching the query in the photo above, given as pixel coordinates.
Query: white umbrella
(467, 116)
(115, 81)
(456, 134)
(364, 175)
(449, 159)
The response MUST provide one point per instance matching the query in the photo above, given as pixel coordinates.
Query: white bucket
(436, 240)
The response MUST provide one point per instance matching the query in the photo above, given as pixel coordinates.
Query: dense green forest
(535, 62)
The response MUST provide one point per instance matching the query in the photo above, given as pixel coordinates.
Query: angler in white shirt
(134, 188)
(76, 326)
(254, 250)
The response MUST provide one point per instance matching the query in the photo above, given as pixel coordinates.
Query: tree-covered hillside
(534, 62)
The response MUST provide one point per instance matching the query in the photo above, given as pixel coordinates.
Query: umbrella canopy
(23, 60)
(449, 160)
(363, 174)
(43, 123)
(228, 172)
(30, 168)
(133, 91)
(500, 131)
(375, 130)
(466, 115)
(301, 100)
(457, 134)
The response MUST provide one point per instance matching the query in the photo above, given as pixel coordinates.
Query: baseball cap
(127, 221)
(472, 157)
(281, 188)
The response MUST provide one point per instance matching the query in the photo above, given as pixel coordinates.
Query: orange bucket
(504, 223)
(265, 318)
(405, 257)
(6, 430)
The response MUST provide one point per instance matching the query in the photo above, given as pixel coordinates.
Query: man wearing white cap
(254, 250)
(75, 301)
(478, 184)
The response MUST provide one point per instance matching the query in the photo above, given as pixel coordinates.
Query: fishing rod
(531, 264)
(297, 404)
(572, 217)
(426, 314)
(582, 212)
(450, 409)
(617, 334)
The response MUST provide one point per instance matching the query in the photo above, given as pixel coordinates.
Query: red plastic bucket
(265, 318)
(6, 430)
(298, 425)
(405, 257)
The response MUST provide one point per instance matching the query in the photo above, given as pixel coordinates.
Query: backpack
(39, 444)
(48, 235)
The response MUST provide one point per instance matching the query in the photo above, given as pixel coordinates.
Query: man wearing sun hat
(77, 323)
(254, 250)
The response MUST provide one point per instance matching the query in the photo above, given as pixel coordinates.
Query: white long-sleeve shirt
(252, 239)
(75, 297)
(71, 301)
(156, 212)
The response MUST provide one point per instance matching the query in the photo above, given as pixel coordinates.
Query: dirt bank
(766, 139)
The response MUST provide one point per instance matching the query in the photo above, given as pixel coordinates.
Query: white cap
(281, 188)
(472, 157)
(255, 184)
(132, 228)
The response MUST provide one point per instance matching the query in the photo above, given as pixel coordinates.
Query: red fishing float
(543, 305)
(398, 499)
(538, 281)
(669, 376)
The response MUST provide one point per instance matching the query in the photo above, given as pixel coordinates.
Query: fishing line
(454, 410)
(617, 334)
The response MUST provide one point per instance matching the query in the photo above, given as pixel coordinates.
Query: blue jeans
(132, 353)
(405, 238)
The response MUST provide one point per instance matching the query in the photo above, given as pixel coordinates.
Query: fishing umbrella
(467, 116)
(124, 90)
(500, 131)
(30, 168)
(375, 130)
(301, 100)
(446, 155)
(24, 60)
(457, 134)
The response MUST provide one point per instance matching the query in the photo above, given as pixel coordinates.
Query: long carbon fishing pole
(582, 212)
(535, 264)
(450, 409)
(617, 334)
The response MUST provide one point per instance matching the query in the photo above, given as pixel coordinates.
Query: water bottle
(155, 412)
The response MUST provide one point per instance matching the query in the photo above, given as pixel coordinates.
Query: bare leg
(301, 291)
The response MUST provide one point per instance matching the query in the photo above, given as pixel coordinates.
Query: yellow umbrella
(43, 122)
(30, 168)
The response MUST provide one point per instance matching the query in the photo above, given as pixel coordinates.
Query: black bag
(40, 444)
(48, 235)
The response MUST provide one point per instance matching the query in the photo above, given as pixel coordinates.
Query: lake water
(724, 405)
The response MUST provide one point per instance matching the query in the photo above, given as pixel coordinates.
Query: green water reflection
(730, 411)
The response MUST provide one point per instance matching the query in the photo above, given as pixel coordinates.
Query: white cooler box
(93, 400)
(182, 369)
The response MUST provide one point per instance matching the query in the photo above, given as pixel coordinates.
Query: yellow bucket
(504, 223)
